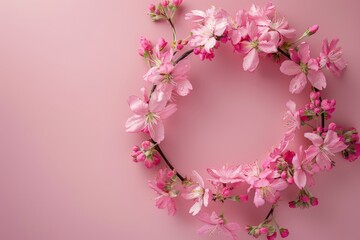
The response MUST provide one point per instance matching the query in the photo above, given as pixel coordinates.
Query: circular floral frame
(254, 33)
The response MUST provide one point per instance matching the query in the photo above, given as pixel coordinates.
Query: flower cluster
(254, 33)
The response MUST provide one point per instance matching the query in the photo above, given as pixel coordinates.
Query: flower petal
(137, 105)
(167, 111)
(300, 178)
(251, 60)
(314, 138)
(157, 132)
(304, 52)
(290, 68)
(136, 123)
(317, 79)
(298, 83)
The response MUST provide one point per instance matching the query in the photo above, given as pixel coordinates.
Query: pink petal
(304, 52)
(135, 123)
(258, 200)
(206, 228)
(253, 31)
(268, 47)
(158, 101)
(181, 68)
(167, 111)
(314, 138)
(279, 184)
(220, 27)
(290, 68)
(195, 16)
(300, 178)
(206, 197)
(183, 87)
(138, 106)
(298, 83)
(157, 131)
(195, 209)
(251, 60)
(323, 161)
(198, 178)
(333, 142)
(317, 79)
(291, 105)
(311, 152)
(209, 44)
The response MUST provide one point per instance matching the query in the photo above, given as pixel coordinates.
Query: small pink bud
(244, 197)
(272, 237)
(141, 157)
(179, 46)
(152, 8)
(146, 145)
(292, 204)
(136, 148)
(288, 156)
(319, 129)
(145, 44)
(164, 3)
(313, 29)
(317, 110)
(313, 96)
(225, 192)
(317, 102)
(283, 175)
(162, 43)
(177, 3)
(264, 230)
(197, 51)
(171, 174)
(290, 180)
(305, 199)
(148, 163)
(284, 232)
(314, 201)
(332, 126)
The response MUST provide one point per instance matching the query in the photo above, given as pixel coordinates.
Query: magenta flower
(304, 168)
(323, 149)
(149, 115)
(197, 192)
(257, 43)
(331, 56)
(225, 175)
(217, 224)
(168, 77)
(212, 25)
(164, 186)
(304, 68)
(292, 121)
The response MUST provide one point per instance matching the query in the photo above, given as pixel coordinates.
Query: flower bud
(284, 232)
(312, 30)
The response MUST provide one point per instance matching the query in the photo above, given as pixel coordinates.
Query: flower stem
(271, 212)
(157, 147)
(173, 29)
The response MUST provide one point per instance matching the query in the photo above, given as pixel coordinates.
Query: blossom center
(151, 118)
(304, 68)
(255, 44)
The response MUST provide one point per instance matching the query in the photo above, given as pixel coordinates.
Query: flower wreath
(253, 33)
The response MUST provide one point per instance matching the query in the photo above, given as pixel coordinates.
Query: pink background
(66, 69)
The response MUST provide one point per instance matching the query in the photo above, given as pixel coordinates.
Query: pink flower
(212, 25)
(197, 192)
(149, 115)
(164, 186)
(275, 155)
(215, 223)
(225, 175)
(257, 43)
(238, 27)
(304, 168)
(324, 148)
(303, 67)
(292, 121)
(267, 183)
(267, 190)
(331, 56)
(168, 77)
